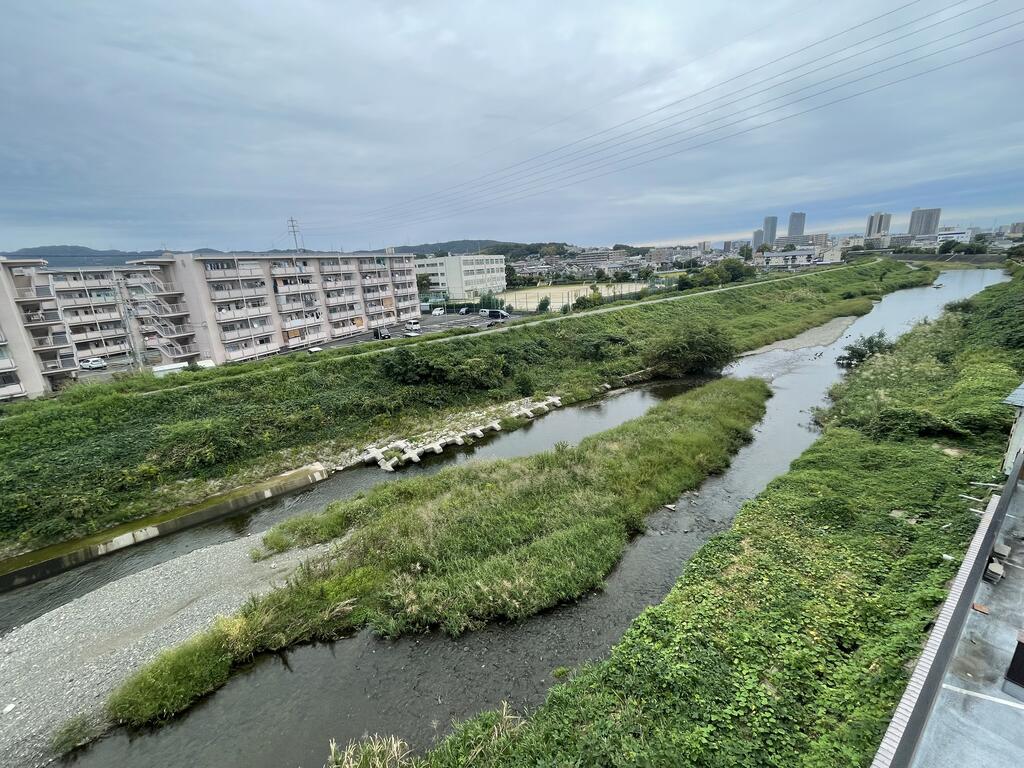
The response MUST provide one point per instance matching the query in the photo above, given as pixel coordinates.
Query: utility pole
(293, 227)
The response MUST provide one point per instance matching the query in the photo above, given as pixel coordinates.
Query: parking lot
(428, 324)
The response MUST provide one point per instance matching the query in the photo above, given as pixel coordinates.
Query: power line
(747, 130)
(760, 67)
(640, 133)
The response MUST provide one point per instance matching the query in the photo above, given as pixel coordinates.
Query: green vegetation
(104, 454)
(74, 733)
(474, 543)
(787, 641)
(860, 350)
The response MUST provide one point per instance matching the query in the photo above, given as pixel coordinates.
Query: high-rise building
(924, 221)
(757, 240)
(878, 224)
(771, 223)
(797, 220)
(727, 246)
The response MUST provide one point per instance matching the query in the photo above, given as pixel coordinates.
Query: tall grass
(474, 543)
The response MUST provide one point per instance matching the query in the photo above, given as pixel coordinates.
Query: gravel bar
(66, 662)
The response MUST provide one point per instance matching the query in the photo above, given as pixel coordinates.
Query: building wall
(797, 222)
(463, 276)
(924, 221)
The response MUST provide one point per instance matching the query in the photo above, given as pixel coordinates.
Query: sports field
(526, 299)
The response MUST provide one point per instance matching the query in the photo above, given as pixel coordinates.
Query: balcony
(332, 268)
(50, 341)
(91, 317)
(171, 330)
(299, 322)
(223, 315)
(42, 317)
(372, 293)
(63, 284)
(291, 269)
(346, 298)
(58, 366)
(110, 349)
(251, 352)
(7, 364)
(7, 391)
(331, 285)
(240, 333)
(214, 274)
(237, 293)
(346, 330)
(298, 288)
(35, 292)
(353, 311)
(180, 350)
(369, 280)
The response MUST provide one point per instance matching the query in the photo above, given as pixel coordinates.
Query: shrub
(544, 304)
(699, 347)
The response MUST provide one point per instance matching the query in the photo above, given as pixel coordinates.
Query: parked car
(93, 363)
(314, 350)
(412, 325)
(492, 323)
(494, 314)
(438, 311)
(381, 333)
(411, 334)
(464, 311)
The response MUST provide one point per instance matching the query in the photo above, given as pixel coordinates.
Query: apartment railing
(291, 269)
(7, 364)
(214, 274)
(91, 317)
(11, 390)
(53, 366)
(64, 284)
(42, 316)
(53, 340)
(298, 287)
(235, 314)
(35, 292)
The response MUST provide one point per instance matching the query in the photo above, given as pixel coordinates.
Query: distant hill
(452, 246)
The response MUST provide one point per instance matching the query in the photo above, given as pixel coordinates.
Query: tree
(683, 282)
(646, 273)
(789, 247)
(552, 250)
(947, 246)
(691, 263)
(736, 269)
(510, 275)
(423, 283)
(764, 248)
(696, 347)
(600, 274)
(745, 253)
(620, 276)
(544, 304)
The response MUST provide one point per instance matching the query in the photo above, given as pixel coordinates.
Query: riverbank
(787, 641)
(64, 664)
(139, 455)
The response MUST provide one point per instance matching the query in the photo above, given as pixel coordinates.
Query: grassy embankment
(787, 641)
(473, 543)
(105, 454)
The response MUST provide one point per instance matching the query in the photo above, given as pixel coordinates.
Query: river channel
(284, 709)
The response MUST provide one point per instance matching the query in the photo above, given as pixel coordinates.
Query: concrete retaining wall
(53, 560)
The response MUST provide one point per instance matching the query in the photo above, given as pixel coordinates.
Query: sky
(140, 125)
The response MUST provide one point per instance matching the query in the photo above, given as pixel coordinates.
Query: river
(284, 709)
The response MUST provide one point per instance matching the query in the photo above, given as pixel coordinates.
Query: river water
(285, 708)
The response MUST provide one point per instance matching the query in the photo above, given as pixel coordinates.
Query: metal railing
(910, 719)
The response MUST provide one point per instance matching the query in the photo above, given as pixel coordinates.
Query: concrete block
(476, 432)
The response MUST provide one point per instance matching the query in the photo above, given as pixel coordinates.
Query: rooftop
(974, 723)
(1016, 397)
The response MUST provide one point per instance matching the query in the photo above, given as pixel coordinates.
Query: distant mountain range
(80, 256)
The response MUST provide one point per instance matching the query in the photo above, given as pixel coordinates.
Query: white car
(93, 363)
(412, 325)
(411, 334)
(438, 311)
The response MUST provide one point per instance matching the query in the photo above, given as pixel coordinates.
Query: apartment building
(228, 307)
(462, 276)
(51, 319)
(188, 308)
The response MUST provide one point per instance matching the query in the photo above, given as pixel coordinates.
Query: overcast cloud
(139, 124)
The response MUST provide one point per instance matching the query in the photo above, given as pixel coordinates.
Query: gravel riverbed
(67, 661)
